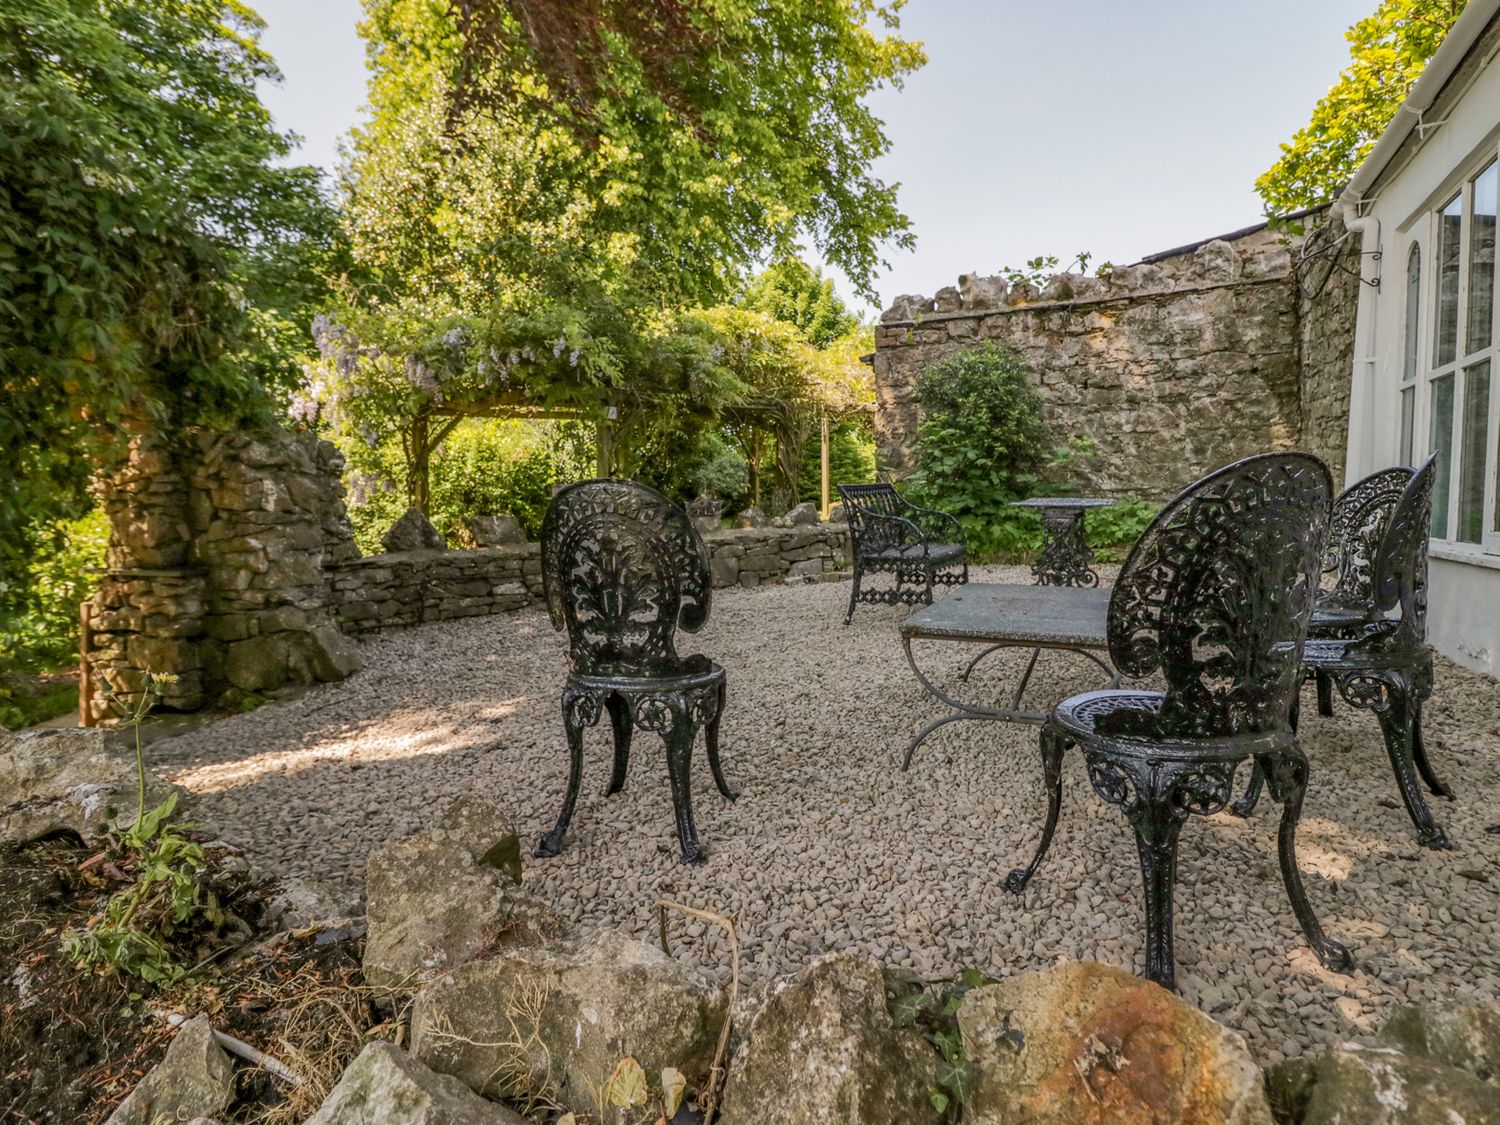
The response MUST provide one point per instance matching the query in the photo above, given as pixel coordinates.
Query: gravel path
(831, 847)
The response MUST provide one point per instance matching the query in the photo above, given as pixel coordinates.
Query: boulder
(1355, 1085)
(413, 532)
(553, 1022)
(822, 1050)
(299, 905)
(495, 531)
(908, 306)
(838, 514)
(1463, 1035)
(947, 300)
(195, 1079)
(331, 656)
(751, 517)
(386, 1086)
(436, 900)
(1085, 1043)
(982, 292)
(259, 663)
(70, 779)
(803, 515)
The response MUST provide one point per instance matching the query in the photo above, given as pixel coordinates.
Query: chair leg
(1398, 725)
(574, 722)
(1157, 825)
(711, 743)
(622, 720)
(1325, 694)
(1053, 746)
(1246, 804)
(1288, 776)
(679, 738)
(1435, 784)
(853, 593)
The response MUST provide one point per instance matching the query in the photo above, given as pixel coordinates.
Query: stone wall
(217, 566)
(232, 566)
(1171, 366)
(1326, 343)
(418, 587)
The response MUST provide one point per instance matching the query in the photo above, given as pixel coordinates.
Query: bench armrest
(923, 515)
(904, 530)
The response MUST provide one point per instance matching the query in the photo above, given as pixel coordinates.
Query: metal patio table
(1001, 616)
(1065, 559)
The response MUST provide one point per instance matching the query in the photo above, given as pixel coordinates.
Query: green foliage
(934, 1012)
(851, 460)
(721, 472)
(39, 621)
(1039, 270)
(1387, 53)
(1113, 531)
(686, 138)
(982, 443)
(793, 291)
(166, 899)
(157, 249)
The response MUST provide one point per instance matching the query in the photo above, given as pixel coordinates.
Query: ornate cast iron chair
(920, 546)
(622, 568)
(1216, 595)
(1383, 664)
(1360, 515)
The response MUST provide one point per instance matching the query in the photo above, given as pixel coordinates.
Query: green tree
(1387, 52)
(155, 251)
(793, 291)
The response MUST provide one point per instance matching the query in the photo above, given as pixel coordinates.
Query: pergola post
(823, 461)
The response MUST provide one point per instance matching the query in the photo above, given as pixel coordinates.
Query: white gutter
(1456, 45)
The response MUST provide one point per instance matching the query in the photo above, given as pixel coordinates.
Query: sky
(1113, 127)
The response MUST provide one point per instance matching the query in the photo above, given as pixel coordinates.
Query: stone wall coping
(1082, 302)
(395, 558)
(731, 534)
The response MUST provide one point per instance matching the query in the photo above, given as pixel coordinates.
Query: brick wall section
(419, 587)
(1171, 367)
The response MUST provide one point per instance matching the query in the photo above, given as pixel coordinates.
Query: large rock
(822, 1050)
(1355, 1085)
(553, 1022)
(386, 1086)
(331, 655)
(195, 1079)
(1463, 1035)
(751, 517)
(495, 531)
(1086, 1043)
(437, 900)
(70, 779)
(803, 515)
(413, 532)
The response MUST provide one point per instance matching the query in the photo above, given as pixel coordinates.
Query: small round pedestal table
(1065, 559)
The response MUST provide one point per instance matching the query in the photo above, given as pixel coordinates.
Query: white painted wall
(1464, 591)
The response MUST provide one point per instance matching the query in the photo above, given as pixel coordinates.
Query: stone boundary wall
(1171, 366)
(419, 587)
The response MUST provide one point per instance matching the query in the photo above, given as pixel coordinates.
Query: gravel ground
(831, 847)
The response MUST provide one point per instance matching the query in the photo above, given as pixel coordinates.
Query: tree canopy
(793, 291)
(156, 255)
(1387, 52)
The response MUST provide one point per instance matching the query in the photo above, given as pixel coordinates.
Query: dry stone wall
(1171, 366)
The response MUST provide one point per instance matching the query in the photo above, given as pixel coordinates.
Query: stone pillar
(217, 566)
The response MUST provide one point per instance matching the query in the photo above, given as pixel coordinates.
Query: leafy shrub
(722, 472)
(982, 444)
(1113, 531)
(43, 634)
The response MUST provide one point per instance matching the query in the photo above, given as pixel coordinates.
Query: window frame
(1429, 372)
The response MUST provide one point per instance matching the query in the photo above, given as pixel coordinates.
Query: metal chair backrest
(1400, 575)
(622, 568)
(1360, 517)
(1217, 595)
(862, 501)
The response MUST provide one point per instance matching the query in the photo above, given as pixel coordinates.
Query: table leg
(1065, 559)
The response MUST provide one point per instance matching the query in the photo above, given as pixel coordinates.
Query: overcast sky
(1117, 128)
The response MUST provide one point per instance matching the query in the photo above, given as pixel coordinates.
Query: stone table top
(1048, 616)
(1064, 502)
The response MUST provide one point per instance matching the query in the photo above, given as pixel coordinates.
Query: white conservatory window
(1462, 405)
